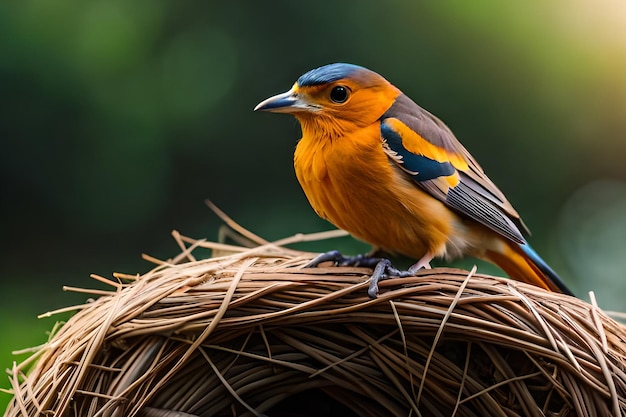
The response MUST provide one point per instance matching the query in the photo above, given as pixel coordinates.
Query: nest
(253, 333)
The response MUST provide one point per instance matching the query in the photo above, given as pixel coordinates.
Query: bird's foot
(364, 260)
(383, 268)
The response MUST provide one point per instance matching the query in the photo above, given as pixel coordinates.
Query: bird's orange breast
(350, 181)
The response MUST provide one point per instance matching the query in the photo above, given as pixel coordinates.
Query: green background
(119, 118)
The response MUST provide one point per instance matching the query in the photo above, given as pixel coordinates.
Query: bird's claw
(383, 268)
(340, 260)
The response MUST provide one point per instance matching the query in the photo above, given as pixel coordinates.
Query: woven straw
(254, 333)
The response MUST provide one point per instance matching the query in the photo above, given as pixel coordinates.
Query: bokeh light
(592, 231)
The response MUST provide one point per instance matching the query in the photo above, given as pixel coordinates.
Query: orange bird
(379, 166)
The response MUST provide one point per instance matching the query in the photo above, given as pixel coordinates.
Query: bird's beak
(288, 102)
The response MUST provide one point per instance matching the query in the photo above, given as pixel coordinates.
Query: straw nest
(254, 333)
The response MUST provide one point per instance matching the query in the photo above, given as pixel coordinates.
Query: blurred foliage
(119, 118)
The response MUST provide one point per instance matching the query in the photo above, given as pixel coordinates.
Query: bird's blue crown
(327, 74)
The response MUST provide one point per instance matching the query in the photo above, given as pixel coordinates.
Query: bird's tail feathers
(521, 262)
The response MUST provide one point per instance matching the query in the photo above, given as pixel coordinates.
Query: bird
(374, 163)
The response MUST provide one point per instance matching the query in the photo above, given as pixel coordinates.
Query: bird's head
(334, 99)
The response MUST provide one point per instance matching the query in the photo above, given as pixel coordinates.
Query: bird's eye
(339, 94)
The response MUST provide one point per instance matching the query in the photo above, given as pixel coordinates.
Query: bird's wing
(426, 150)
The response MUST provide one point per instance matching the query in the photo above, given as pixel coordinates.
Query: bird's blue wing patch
(419, 167)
